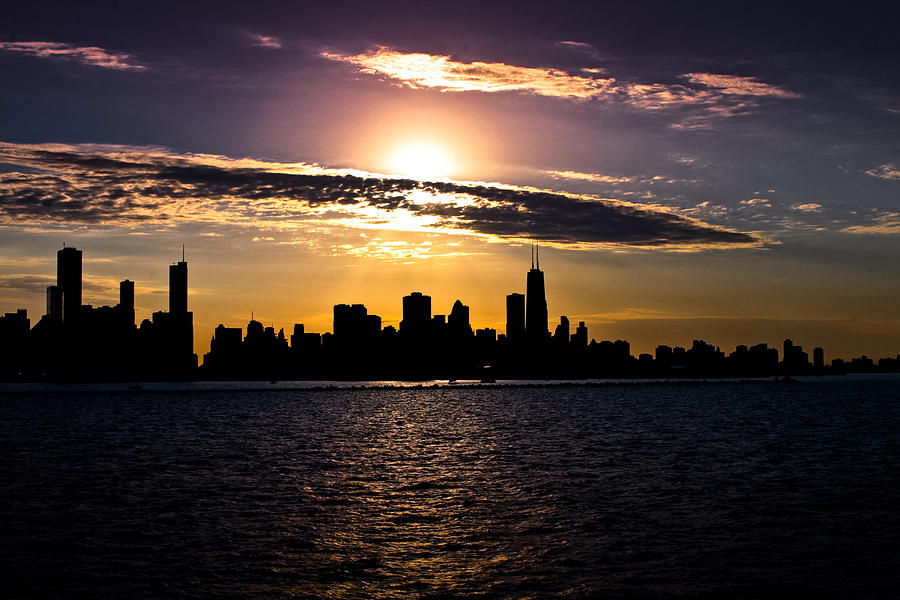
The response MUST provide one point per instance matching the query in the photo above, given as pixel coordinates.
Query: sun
(421, 160)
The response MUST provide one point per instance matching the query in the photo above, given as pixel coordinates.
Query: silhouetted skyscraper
(416, 312)
(561, 335)
(126, 301)
(178, 288)
(580, 337)
(68, 280)
(535, 303)
(818, 358)
(515, 317)
(458, 320)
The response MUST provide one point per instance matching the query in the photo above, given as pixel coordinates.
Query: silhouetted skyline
(75, 341)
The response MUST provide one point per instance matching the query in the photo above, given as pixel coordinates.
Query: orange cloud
(885, 224)
(595, 177)
(888, 171)
(716, 93)
(420, 70)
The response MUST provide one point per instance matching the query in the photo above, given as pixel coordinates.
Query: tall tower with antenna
(535, 300)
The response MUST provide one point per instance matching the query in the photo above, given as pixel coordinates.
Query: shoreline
(329, 386)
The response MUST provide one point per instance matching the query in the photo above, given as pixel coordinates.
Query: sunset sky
(715, 170)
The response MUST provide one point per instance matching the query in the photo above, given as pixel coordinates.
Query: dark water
(744, 491)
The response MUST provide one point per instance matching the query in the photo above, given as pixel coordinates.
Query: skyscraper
(68, 280)
(176, 327)
(126, 301)
(458, 319)
(178, 288)
(515, 317)
(416, 312)
(535, 302)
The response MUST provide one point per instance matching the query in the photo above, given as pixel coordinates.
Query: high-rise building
(818, 358)
(178, 324)
(458, 320)
(68, 280)
(178, 288)
(535, 302)
(561, 335)
(416, 312)
(126, 301)
(515, 317)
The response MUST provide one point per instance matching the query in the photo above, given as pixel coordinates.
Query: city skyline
(514, 325)
(73, 340)
(728, 173)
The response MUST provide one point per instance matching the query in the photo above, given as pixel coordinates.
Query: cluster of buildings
(79, 341)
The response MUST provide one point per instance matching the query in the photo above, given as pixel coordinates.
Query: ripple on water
(726, 490)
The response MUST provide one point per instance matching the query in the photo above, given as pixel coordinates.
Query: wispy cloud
(595, 177)
(132, 187)
(264, 41)
(884, 224)
(739, 86)
(584, 48)
(716, 94)
(809, 207)
(418, 70)
(87, 55)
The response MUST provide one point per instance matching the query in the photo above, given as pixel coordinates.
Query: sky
(696, 170)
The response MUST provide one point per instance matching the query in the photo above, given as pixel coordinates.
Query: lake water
(662, 491)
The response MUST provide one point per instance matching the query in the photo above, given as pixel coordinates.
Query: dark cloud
(30, 284)
(128, 187)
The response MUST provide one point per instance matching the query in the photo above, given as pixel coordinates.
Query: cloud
(884, 224)
(118, 186)
(809, 207)
(418, 70)
(717, 95)
(87, 55)
(29, 284)
(739, 86)
(595, 177)
(584, 48)
(888, 171)
(264, 41)
(756, 202)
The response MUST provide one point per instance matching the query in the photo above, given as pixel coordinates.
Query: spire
(539, 258)
(182, 253)
(532, 256)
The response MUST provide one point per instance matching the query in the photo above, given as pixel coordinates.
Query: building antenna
(539, 258)
(532, 256)
(182, 253)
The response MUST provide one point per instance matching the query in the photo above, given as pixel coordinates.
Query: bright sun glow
(421, 160)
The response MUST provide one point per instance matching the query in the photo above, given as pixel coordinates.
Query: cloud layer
(87, 55)
(124, 186)
(419, 70)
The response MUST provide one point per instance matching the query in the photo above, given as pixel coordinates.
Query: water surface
(749, 491)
